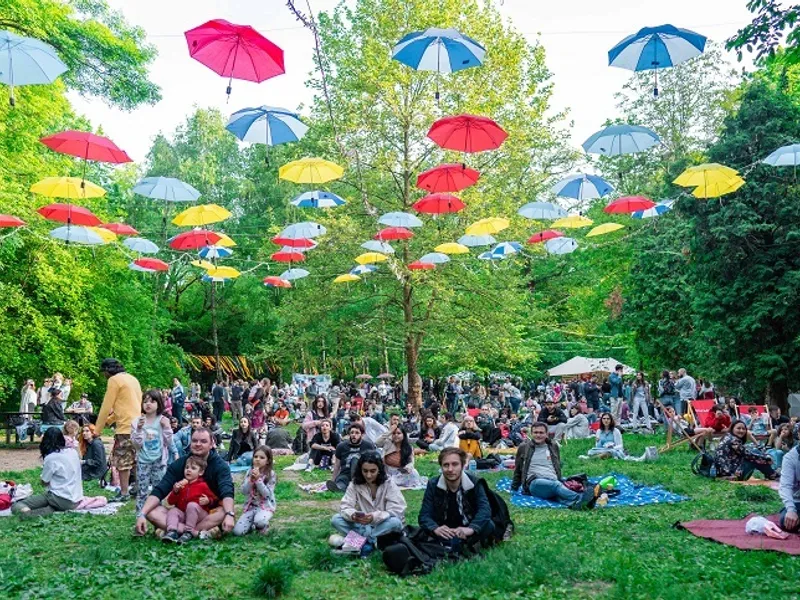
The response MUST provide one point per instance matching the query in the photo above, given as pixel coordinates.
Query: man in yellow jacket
(122, 405)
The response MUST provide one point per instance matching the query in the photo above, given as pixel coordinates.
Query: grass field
(605, 553)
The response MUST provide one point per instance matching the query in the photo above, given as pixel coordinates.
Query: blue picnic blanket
(239, 468)
(631, 494)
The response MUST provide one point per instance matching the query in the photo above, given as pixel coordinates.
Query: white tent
(580, 365)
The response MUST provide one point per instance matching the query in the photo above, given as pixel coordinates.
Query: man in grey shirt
(686, 386)
(789, 490)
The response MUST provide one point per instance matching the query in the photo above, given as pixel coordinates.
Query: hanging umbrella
(582, 187)
(447, 178)
(292, 274)
(541, 211)
(706, 174)
(235, 51)
(224, 240)
(604, 228)
(278, 282)
(474, 241)
(224, 272)
(134, 267)
(467, 133)
(543, 236)
(153, 264)
(288, 255)
(363, 270)
(266, 125)
(421, 266)
(653, 48)
(629, 204)
(378, 246)
(400, 219)
(194, 239)
(310, 170)
(203, 264)
(785, 156)
(213, 252)
(506, 249)
(71, 188)
(370, 258)
(201, 215)
(317, 199)
(487, 256)
(452, 248)
(715, 190)
(488, 226)
(108, 236)
(658, 209)
(562, 245)
(10, 221)
(385, 376)
(120, 228)
(27, 61)
(208, 279)
(364, 376)
(394, 233)
(299, 243)
(168, 189)
(305, 229)
(434, 258)
(615, 140)
(87, 146)
(140, 245)
(69, 214)
(347, 277)
(437, 204)
(77, 235)
(573, 222)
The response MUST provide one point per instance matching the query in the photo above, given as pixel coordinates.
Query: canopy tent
(579, 365)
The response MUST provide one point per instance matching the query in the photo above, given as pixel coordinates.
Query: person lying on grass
(258, 488)
(372, 506)
(217, 475)
(191, 501)
(735, 461)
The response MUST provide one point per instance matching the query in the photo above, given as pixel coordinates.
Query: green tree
(766, 32)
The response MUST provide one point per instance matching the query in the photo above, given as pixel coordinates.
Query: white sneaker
(348, 549)
(309, 468)
(336, 540)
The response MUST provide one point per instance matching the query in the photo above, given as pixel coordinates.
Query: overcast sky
(576, 35)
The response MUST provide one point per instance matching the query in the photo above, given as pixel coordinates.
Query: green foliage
(773, 22)
(273, 579)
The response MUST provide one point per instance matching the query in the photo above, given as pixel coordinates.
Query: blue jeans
(371, 532)
(515, 402)
(244, 460)
(177, 412)
(777, 457)
(552, 489)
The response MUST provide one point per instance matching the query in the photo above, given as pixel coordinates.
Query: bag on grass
(702, 465)
(300, 442)
(412, 552)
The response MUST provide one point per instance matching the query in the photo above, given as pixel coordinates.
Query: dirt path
(21, 459)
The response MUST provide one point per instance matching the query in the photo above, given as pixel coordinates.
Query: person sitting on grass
(217, 475)
(608, 438)
(428, 433)
(71, 432)
(398, 456)
(258, 488)
(191, 499)
(243, 443)
(789, 490)
(346, 456)
(537, 470)
(781, 441)
(717, 420)
(93, 453)
(555, 419)
(61, 476)
(183, 439)
(448, 437)
(732, 459)
(469, 437)
(323, 445)
(577, 425)
(372, 505)
(279, 440)
(215, 429)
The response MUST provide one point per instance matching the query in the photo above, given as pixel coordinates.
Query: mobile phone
(359, 515)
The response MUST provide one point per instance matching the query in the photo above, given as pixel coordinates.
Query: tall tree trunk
(214, 337)
(412, 348)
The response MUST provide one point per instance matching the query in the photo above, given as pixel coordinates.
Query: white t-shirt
(62, 470)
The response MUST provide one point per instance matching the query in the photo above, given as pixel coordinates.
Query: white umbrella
(166, 188)
(376, 246)
(77, 234)
(473, 241)
(303, 230)
(561, 245)
(544, 211)
(140, 245)
(434, 258)
(400, 219)
(579, 365)
(363, 270)
(785, 156)
(292, 274)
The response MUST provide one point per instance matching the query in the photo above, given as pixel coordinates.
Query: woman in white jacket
(372, 506)
(577, 426)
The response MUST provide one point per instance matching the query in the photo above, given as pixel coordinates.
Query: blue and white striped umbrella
(582, 187)
(487, 256)
(377, 246)
(318, 199)
(440, 50)
(215, 252)
(785, 156)
(653, 48)
(166, 188)
(615, 140)
(543, 211)
(266, 125)
(210, 279)
(140, 245)
(658, 209)
(400, 219)
(363, 270)
(506, 249)
(27, 61)
(473, 241)
(562, 245)
(292, 274)
(434, 258)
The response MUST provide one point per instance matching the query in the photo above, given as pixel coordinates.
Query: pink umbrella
(629, 204)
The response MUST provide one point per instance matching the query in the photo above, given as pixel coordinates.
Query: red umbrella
(543, 236)
(467, 133)
(235, 51)
(10, 221)
(294, 242)
(274, 281)
(87, 146)
(120, 228)
(447, 178)
(152, 263)
(194, 239)
(69, 214)
(629, 204)
(288, 257)
(437, 204)
(393, 233)
(420, 266)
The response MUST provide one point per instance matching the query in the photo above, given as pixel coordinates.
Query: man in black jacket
(554, 418)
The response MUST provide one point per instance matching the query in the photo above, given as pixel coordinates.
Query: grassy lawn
(605, 553)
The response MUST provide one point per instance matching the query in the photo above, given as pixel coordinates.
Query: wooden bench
(9, 422)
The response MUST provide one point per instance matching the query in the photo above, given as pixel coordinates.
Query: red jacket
(191, 493)
(717, 423)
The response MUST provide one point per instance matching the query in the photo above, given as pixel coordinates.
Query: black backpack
(300, 442)
(702, 465)
(501, 517)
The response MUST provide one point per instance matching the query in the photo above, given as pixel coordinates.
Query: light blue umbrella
(615, 140)
(543, 211)
(292, 274)
(487, 256)
(210, 279)
(376, 246)
(363, 270)
(785, 156)
(317, 199)
(215, 252)
(582, 187)
(434, 258)
(505, 249)
(77, 234)
(658, 209)
(140, 245)
(473, 241)
(166, 188)
(304, 230)
(400, 219)
(562, 245)
(653, 48)
(27, 61)
(266, 125)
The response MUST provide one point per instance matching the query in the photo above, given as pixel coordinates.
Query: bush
(272, 580)
(755, 494)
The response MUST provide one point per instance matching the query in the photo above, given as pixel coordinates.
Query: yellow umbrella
(108, 236)
(224, 272)
(452, 248)
(203, 264)
(346, 278)
(67, 187)
(310, 170)
(224, 240)
(201, 215)
(370, 257)
(705, 174)
(488, 226)
(715, 190)
(605, 228)
(572, 222)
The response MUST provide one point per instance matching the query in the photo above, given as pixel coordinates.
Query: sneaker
(185, 537)
(336, 541)
(120, 497)
(170, 537)
(309, 468)
(366, 550)
(348, 549)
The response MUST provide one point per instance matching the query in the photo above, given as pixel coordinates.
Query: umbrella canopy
(582, 187)
(292, 274)
(67, 187)
(488, 226)
(437, 204)
(288, 255)
(77, 235)
(715, 190)
(266, 125)
(208, 279)
(467, 133)
(194, 239)
(363, 270)
(166, 188)
(629, 204)
(224, 272)
(120, 228)
(203, 264)
(473, 241)
(434, 258)
(299, 243)
(543, 236)
(421, 266)
(447, 178)
(10, 221)
(201, 215)
(705, 174)
(440, 50)
(277, 282)
(785, 156)
(561, 245)
(487, 256)
(394, 233)
(579, 365)
(658, 209)
(215, 252)
(364, 376)
(370, 257)
(317, 199)
(504, 249)
(346, 278)
(303, 230)
(615, 140)
(400, 219)
(225, 240)
(452, 248)
(70, 214)
(378, 246)
(108, 236)
(385, 376)
(153, 264)
(573, 222)
(541, 211)
(604, 228)
(87, 146)
(134, 267)
(27, 61)
(310, 170)
(140, 245)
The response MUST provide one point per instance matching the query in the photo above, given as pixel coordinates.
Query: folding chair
(762, 409)
(682, 435)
